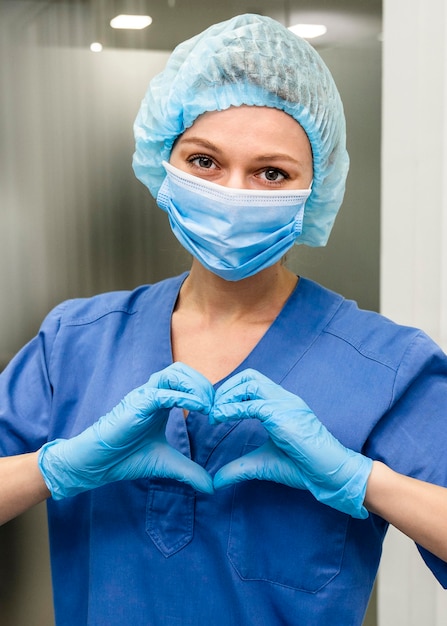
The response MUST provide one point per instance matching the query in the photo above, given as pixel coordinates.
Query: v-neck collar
(306, 313)
(300, 322)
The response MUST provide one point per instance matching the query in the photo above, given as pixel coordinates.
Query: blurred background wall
(413, 280)
(73, 219)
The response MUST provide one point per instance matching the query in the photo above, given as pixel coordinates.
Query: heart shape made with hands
(300, 452)
(240, 397)
(247, 394)
(130, 441)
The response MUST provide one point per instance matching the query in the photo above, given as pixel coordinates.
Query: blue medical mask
(234, 233)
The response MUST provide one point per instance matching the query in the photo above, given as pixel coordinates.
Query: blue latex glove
(300, 452)
(130, 441)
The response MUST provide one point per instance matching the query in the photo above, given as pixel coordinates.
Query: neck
(258, 297)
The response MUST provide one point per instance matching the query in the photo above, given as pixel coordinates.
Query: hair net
(251, 60)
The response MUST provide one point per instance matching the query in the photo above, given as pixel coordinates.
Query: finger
(181, 377)
(146, 400)
(247, 467)
(143, 411)
(246, 376)
(247, 409)
(168, 398)
(249, 388)
(173, 464)
(265, 463)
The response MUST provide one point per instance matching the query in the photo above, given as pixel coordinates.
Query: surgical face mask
(234, 233)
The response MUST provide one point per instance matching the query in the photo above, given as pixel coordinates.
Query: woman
(251, 480)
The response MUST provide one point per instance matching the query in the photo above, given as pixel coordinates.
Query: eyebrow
(199, 141)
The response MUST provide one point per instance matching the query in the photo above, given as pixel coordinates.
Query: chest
(214, 351)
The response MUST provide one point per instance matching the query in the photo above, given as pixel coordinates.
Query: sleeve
(411, 437)
(26, 392)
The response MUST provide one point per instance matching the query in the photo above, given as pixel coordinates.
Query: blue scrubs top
(154, 552)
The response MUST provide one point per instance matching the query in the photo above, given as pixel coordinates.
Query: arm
(301, 453)
(21, 485)
(125, 444)
(416, 508)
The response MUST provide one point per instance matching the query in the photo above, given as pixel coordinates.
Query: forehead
(249, 126)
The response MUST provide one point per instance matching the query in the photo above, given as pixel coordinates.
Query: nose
(235, 178)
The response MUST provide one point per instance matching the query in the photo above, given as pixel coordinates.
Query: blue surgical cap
(251, 60)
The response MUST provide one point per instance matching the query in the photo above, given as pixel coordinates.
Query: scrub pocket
(283, 536)
(170, 516)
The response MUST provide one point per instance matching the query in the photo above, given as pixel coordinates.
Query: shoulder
(83, 311)
(371, 334)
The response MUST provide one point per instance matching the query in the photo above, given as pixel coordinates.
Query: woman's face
(246, 147)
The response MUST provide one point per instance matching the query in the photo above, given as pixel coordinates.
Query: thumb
(254, 465)
(175, 465)
(266, 463)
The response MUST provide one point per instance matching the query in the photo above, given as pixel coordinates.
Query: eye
(202, 161)
(273, 175)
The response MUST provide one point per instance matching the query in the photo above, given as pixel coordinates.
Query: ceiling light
(136, 22)
(96, 46)
(308, 31)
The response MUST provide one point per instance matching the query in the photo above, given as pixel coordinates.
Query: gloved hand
(300, 452)
(130, 441)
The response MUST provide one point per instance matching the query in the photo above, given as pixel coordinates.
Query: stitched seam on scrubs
(83, 321)
(238, 565)
(46, 360)
(411, 346)
(224, 436)
(363, 351)
(333, 310)
(152, 515)
(50, 358)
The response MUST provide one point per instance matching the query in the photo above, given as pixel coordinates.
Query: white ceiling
(79, 22)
